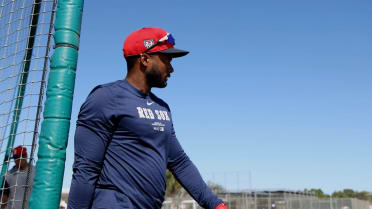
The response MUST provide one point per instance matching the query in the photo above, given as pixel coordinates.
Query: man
(125, 140)
(16, 182)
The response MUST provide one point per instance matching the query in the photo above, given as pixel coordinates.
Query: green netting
(24, 33)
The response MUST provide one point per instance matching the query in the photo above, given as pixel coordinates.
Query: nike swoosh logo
(149, 103)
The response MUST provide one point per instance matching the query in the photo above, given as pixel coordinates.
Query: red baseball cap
(151, 40)
(19, 151)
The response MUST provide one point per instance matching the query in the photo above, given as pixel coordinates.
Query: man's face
(17, 161)
(20, 161)
(159, 72)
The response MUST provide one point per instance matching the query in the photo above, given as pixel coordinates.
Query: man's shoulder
(111, 84)
(12, 174)
(159, 101)
(104, 97)
(32, 167)
(13, 170)
(104, 91)
(106, 86)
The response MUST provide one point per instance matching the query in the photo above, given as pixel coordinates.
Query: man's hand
(222, 206)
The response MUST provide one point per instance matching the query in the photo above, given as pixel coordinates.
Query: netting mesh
(25, 28)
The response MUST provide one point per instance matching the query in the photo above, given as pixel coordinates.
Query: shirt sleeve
(93, 133)
(188, 175)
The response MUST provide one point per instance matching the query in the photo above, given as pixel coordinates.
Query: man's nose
(170, 68)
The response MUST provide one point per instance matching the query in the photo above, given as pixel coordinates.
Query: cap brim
(174, 52)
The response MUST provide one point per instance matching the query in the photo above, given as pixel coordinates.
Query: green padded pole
(46, 192)
(22, 84)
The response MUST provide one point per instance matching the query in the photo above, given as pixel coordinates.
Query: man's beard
(155, 79)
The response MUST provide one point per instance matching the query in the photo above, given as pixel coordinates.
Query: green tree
(346, 193)
(349, 193)
(216, 187)
(173, 186)
(363, 195)
(318, 192)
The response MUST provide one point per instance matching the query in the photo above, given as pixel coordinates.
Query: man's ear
(145, 60)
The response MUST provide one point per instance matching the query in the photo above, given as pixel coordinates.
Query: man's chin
(162, 85)
(159, 85)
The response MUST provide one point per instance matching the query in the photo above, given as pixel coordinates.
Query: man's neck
(139, 83)
(23, 167)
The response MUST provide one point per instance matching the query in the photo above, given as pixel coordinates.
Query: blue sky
(274, 94)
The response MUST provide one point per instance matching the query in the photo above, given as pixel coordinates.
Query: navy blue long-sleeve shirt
(124, 142)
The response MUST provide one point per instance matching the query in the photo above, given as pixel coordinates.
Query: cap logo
(148, 43)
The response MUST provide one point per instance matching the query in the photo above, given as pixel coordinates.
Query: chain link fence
(270, 200)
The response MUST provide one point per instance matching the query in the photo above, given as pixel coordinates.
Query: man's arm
(4, 194)
(4, 201)
(189, 177)
(92, 135)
